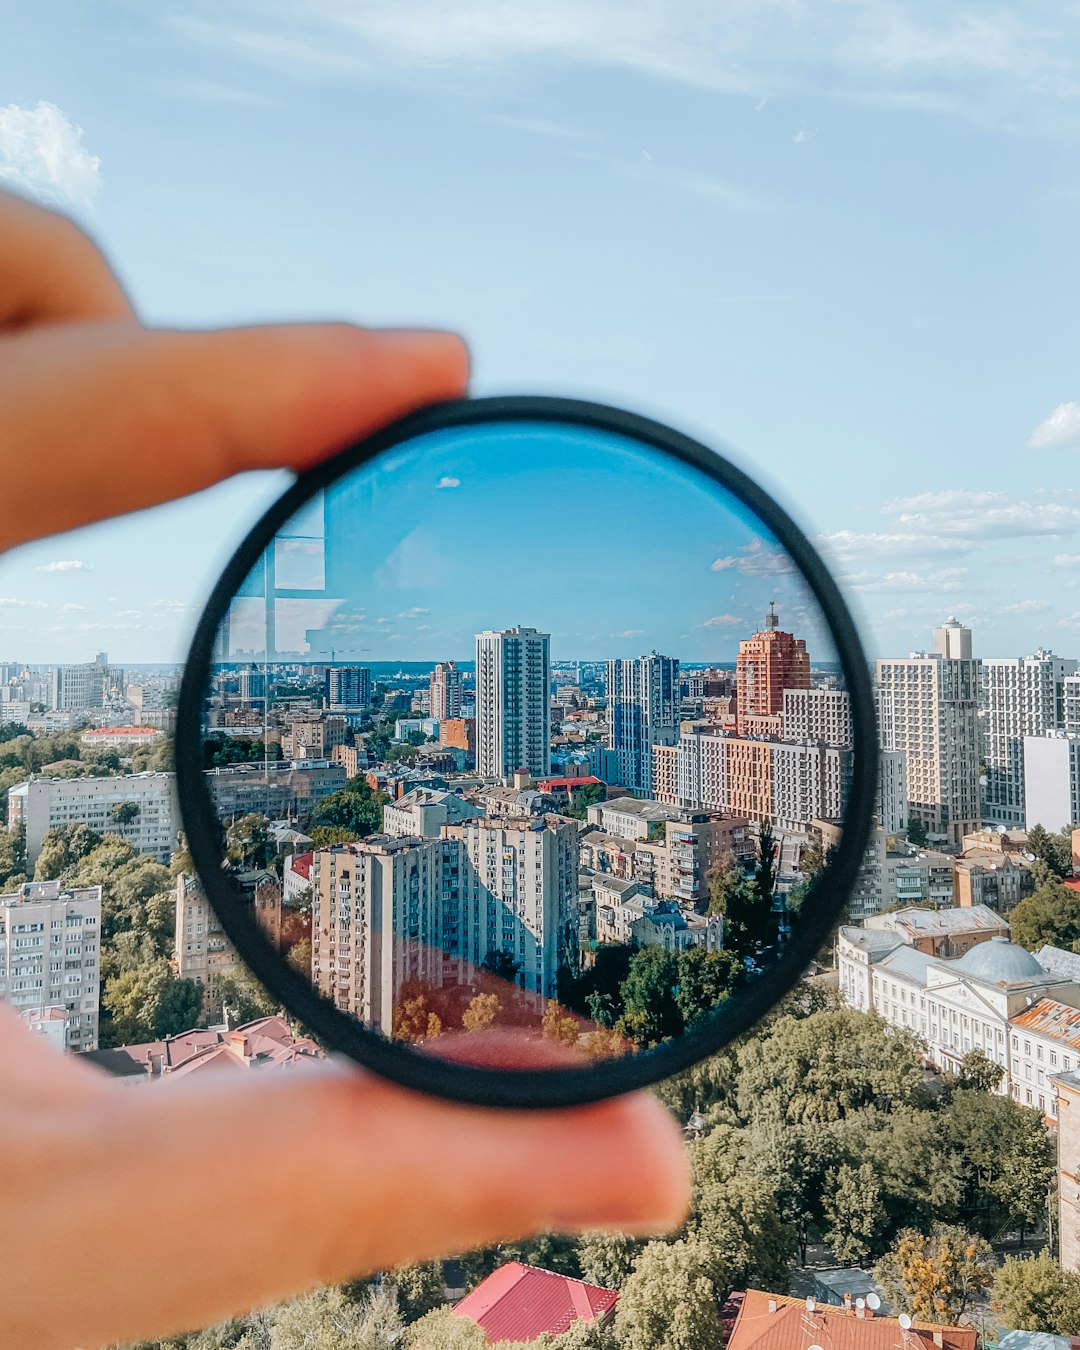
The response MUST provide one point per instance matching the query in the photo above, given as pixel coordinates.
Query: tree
(672, 1299)
(328, 1320)
(812, 860)
(1035, 1294)
(124, 813)
(1051, 915)
(501, 964)
(722, 878)
(650, 1010)
(559, 1026)
(1055, 850)
(481, 1012)
(935, 1276)
(765, 875)
(322, 836)
(580, 799)
(420, 1289)
(826, 1066)
(917, 833)
(607, 1259)
(179, 1007)
(855, 1213)
(357, 808)
(443, 1329)
(247, 842)
(62, 846)
(244, 997)
(12, 858)
(704, 979)
(147, 1002)
(979, 1071)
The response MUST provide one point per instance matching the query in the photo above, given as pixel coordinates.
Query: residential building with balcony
(139, 807)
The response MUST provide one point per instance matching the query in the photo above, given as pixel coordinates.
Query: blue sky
(838, 235)
(409, 557)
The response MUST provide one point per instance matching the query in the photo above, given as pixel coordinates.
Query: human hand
(130, 1213)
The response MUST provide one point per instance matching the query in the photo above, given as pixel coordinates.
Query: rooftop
(1000, 961)
(1048, 1017)
(519, 1303)
(773, 1322)
(923, 923)
(642, 807)
(1059, 962)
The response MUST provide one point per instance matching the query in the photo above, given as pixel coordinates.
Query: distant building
(993, 869)
(387, 911)
(945, 933)
(267, 1043)
(1066, 1086)
(203, 952)
(513, 711)
(1018, 697)
(927, 708)
(104, 804)
(445, 691)
(273, 790)
(521, 1303)
(50, 938)
(348, 687)
(120, 738)
(459, 733)
(631, 817)
(423, 812)
(768, 664)
(891, 806)
(77, 687)
(313, 737)
(642, 711)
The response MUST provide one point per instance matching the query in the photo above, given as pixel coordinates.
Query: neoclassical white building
(996, 998)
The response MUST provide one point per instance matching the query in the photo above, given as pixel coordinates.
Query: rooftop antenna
(873, 1302)
(860, 1303)
(905, 1321)
(771, 620)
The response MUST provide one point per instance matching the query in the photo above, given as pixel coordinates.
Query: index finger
(102, 418)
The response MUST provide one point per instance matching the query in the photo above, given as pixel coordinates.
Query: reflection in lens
(526, 732)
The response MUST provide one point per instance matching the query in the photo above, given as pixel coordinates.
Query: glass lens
(523, 728)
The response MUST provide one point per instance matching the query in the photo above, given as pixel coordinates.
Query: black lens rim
(519, 1089)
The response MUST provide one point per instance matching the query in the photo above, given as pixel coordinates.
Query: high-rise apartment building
(927, 708)
(348, 686)
(445, 691)
(75, 687)
(140, 807)
(891, 807)
(252, 684)
(642, 711)
(49, 955)
(769, 663)
(389, 912)
(513, 711)
(1018, 697)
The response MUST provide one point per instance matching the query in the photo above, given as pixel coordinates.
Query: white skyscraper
(927, 706)
(642, 711)
(1052, 780)
(513, 712)
(1018, 697)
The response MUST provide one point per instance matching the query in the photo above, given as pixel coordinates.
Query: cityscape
(599, 853)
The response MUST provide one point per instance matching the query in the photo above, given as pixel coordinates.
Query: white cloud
(413, 613)
(630, 632)
(66, 565)
(538, 126)
(447, 481)
(755, 560)
(1027, 607)
(985, 515)
(1059, 431)
(666, 178)
(1070, 621)
(723, 621)
(72, 609)
(1067, 559)
(15, 603)
(964, 58)
(41, 152)
(846, 544)
(946, 581)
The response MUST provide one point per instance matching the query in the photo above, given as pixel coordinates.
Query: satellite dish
(810, 1305)
(873, 1302)
(813, 1347)
(905, 1321)
(860, 1303)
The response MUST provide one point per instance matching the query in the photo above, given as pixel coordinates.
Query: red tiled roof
(301, 864)
(1048, 1017)
(789, 1326)
(520, 1303)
